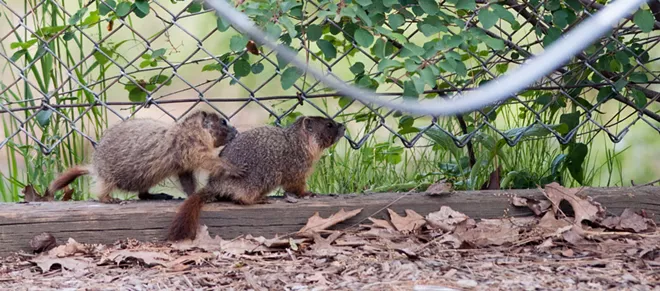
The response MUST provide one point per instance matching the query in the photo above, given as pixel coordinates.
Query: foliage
(419, 47)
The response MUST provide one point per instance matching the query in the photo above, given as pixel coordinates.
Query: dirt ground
(445, 250)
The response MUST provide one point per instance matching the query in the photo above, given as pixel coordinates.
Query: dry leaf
(197, 258)
(322, 247)
(584, 208)
(490, 232)
(382, 223)
(440, 188)
(574, 236)
(319, 279)
(204, 241)
(69, 249)
(568, 253)
(149, 258)
(45, 262)
(445, 218)
(277, 242)
(316, 223)
(550, 224)
(537, 206)
(493, 182)
(68, 193)
(252, 48)
(411, 222)
(31, 195)
(629, 221)
(43, 242)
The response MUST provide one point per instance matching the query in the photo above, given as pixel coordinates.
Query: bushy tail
(67, 178)
(186, 221)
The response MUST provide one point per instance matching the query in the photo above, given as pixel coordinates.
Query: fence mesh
(114, 59)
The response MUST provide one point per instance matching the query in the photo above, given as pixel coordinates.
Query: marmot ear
(307, 124)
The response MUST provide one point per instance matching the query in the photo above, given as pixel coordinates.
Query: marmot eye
(329, 125)
(224, 122)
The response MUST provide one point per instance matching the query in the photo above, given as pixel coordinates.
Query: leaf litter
(444, 250)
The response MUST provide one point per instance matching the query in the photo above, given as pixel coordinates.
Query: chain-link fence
(69, 64)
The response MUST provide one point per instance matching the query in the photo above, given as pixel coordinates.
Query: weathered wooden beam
(92, 222)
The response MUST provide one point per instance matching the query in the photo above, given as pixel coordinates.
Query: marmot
(137, 154)
(276, 157)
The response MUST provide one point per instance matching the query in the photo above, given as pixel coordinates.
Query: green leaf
(68, 36)
(289, 77)
(106, 7)
(428, 76)
(43, 117)
(314, 32)
(23, 45)
(75, 18)
(411, 65)
(443, 140)
(137, 95)
(574, 159)
(452, 41)
(644, 20)
(639, 98)
(158, 53)
(357, 68)
(237, 43)
(327, 48)
(123, 8)
(487, 18)
(364, 3)
(406, 121)
(274, 31)
(410, 90)
(364, 17)
(503, 13)
(604, 93)
(464, 4)
(494, 43)
(91, 19)
(363, 38)
(385, 64)
(639, 77)
(290, 27)
(535, 130)
(430, 7)
(241, 68)
(257, 68)
(212, 67)
(194, 7)
(390, 3)
(560, 18)
(396, 20)
(344, 101)
(552, 35)
(571, 120)
(411, 49)
(160, 79)
(100, 57)
(222, 25)
(18, 54)
(142, 6)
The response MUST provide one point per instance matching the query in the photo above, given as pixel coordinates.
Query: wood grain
(93, 222)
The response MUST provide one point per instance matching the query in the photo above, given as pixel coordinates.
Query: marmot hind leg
(103, 190)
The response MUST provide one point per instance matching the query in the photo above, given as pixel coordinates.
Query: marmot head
(325, 130)
(217, 126)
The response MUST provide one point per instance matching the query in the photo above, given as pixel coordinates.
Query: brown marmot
(137, 154)
(275, 157)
